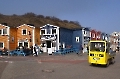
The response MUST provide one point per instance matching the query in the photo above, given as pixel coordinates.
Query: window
(90, 34)
(93, 35)
(4, 31)
(106, 38)
(98, 36)
(42, 31)
(1, 45)
(77, 39)
(85, 32)
(29, 33)
(20, 44)
(0, 31)
(97, 46)
(23, 44)
(53, 31)
(24, 32)
(103, 37)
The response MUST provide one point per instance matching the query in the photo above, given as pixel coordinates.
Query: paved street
(69, 66)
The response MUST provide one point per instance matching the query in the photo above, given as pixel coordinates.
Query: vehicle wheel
(113, 61)
(90, 64)
(108, 63)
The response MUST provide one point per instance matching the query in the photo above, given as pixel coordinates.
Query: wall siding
(23, 37)
(4, 39)
(37, 36)
(13, 34)
(66, 36)
(77, 33)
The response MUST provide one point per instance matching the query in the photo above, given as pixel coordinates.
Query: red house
(98, 35)
(93, 34)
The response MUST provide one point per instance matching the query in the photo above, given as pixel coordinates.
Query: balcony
(48, 37)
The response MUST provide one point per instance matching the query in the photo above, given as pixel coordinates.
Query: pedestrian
(31, 50)
(80, 50)
(88, 50)
(35, 49)
(85, 49)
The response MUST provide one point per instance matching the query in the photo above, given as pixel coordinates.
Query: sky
(102, 15)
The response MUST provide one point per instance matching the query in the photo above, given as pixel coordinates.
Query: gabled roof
(26, 25)
(4, 25)
(73, 28)
(49, 26)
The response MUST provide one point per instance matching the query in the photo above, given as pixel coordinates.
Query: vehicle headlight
(91, 54)
(101, 55)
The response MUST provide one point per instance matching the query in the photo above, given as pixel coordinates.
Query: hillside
(37, 20)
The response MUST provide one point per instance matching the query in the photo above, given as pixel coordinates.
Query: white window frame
(77, 39)
(23, 43)
(103, 37)
(6, 33)
(90, 34)
(55, 30)
(1, 31)
(22, 31)
(84, 32)
(106, 38)
(6, 30)
(93, 34)
(99, 37)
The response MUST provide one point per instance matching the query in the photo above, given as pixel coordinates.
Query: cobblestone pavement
(50, 67)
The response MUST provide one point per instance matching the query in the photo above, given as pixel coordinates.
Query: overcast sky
(102, 15)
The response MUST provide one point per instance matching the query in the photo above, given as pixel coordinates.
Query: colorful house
(114, 40)
(7, 37)
(98, 35)
(49, 38)
(93, 34)
(86, 36)
(105, 36)
(54, 38)
(28, 35)
(4, 36)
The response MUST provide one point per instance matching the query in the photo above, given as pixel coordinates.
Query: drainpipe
(57, 38)
(8, 30)
(33, 36)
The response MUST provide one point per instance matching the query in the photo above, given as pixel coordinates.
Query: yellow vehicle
(101, 53)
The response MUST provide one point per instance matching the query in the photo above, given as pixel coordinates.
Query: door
(53, 46)
(49, 47)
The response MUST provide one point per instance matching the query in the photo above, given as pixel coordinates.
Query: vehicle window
(97, 46)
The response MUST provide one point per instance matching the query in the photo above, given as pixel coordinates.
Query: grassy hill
(37, 20)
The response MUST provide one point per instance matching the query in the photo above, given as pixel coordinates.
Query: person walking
(85, 49)
(80, 50)
(31, 49)
(35, 47)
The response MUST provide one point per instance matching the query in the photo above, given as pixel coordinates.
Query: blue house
(53, 38)
(105, 36)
